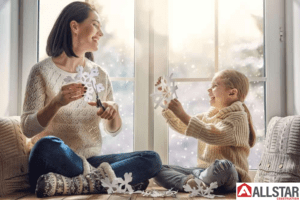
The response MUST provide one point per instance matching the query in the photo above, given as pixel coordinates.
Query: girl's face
(89, 33)
(220, 96)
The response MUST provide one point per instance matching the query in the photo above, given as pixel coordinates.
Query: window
(208, 36)
(116, 56)
(193, 40)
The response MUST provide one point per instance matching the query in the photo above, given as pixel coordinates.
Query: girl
(225, 135)
(66, 157)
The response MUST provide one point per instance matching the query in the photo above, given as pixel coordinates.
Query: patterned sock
(52, 184)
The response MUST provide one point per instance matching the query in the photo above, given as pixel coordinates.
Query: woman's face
(89, 33)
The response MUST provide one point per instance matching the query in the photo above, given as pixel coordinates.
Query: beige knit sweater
(221, 134)
(77, 123)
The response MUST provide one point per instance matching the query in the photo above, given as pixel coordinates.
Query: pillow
(280, 161)
(14, 154)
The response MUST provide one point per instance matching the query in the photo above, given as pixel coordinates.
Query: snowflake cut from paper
(121, 186)
(167, 92)
(200, 191)
(88, 80)
(154, 193)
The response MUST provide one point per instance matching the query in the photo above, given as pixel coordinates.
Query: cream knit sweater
(221, 134)
(77, 123)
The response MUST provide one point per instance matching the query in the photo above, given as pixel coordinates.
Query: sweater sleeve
(174, 122)
(110, 97)
(221, 133)
(34, 101)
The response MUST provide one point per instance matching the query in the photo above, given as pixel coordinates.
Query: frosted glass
(241, 36)
(255, 102)
(116, 47)
(123, 142)
(191, 38)
(194, 99)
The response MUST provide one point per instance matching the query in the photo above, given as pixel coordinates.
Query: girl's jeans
(221, 171)
(51, 154)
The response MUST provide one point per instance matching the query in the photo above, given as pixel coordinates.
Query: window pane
(123, 95)
(116, 56)
(195, 100)
(116, 47)
(241, 36)
(240, 45)
(191, 38)
(256, 105)
(49, 11)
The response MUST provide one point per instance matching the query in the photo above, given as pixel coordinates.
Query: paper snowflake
(154, 193)
(118, 185)
(167, 92)
(200, 191)
(88, 80)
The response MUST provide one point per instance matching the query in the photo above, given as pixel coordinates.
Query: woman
(63, 127)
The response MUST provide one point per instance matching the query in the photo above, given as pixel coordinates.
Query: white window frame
(151, 61)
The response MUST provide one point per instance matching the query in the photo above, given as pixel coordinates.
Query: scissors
(99, 104)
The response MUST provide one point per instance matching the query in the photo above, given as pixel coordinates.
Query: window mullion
(142, 137)
(160, 52)
(274, 59)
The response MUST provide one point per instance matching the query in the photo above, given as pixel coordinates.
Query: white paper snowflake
(118, 185)
(167, 92)
(200, 191)
(88, 80)
(154, 193)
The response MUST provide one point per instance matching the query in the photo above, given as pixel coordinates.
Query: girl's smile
(220, 96)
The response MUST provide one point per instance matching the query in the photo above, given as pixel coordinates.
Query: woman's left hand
(111, 109)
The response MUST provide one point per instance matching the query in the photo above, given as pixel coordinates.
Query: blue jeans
(221, 171)
(51, 154)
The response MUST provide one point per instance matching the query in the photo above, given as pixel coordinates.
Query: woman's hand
(69, 93)
(111, 109)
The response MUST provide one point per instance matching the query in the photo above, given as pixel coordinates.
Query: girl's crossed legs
(51, 154)
(221, 171)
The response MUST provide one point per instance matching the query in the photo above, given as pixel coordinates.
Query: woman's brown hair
(60, 37)
(234, 79)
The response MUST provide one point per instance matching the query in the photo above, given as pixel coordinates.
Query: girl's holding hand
(225, 135)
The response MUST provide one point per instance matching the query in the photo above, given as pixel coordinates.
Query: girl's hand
(176, 107)
(159, 82)
(69, 93)
(111, 109)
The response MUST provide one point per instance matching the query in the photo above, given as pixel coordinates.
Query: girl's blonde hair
(234, 79)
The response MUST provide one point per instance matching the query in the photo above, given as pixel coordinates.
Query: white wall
(9, 58)
(293, 56)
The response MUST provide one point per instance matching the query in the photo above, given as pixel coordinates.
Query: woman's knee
(45, 145)
(154, 163)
